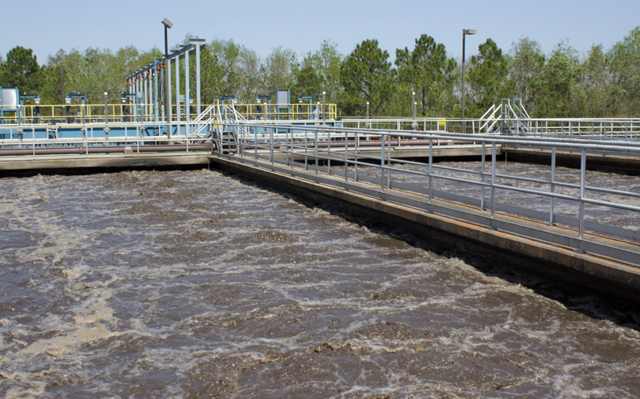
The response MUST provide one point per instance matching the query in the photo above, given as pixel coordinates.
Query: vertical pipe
(169, 99)
(146, 96)
(553, 188)
(167, 83)
(291, 150)
(187, 96)
(583, 168)
(177, 61)
(463, 37)
(155, 91)
(256, 141)
(198, 78)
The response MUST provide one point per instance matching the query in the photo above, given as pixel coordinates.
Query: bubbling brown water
(198, 284)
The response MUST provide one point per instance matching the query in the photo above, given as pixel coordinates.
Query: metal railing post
(329, 151)
(317, 160)
(271, 143)
(306, 149)
(430, 169)
(355, 165)
(583, 167)
(553, 188)
(346, 149)
(493, 181)
(382, 161)
(482, 175)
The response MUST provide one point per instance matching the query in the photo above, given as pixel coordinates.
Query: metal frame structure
(141, 82)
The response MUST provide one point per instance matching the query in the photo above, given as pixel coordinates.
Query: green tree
(277, 71)
(325, 77)
(428, 71)
(308, 82)
(554, 89)
(220, 70)
(366, 76)
(527, 61)
(592, 95)
(21, 69)
(488, 77)
(625, 72)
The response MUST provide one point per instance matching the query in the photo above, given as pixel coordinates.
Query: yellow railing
(287, 112)
(77, 113)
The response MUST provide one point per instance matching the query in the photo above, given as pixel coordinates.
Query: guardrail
(595, 127)
(127, 112)
(300, 150)
(78, 139)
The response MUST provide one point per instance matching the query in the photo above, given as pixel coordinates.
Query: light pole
(167, 25)
(465, 32)
(324, 109)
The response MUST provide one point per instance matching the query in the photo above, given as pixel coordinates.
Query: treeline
(564, 83)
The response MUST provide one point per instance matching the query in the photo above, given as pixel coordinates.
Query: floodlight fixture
(169, 24)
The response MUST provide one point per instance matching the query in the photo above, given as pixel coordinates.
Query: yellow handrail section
(93, 113)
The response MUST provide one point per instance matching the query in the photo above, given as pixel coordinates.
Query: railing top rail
(574, 143)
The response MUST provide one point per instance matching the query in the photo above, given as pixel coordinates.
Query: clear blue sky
(47, 26)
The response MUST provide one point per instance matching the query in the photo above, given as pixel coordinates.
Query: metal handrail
(304, 144)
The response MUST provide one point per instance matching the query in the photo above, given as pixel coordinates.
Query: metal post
(271, 145)
(493, 181)
(583, 169)
(187, 97)
(169, 100)
(482, 174)
(329, 152)
(389, 161)
(315, 132)
(346, 149)
(155, 91)
(382, 162)
(465, 32)
(355, 165)
(553, 178)
(463, 43)
(368, 126)
(430, 169)
(306, 148)
(177, 61)
(324, 109)
(167, 82)
(145, 83)
(198, 78)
